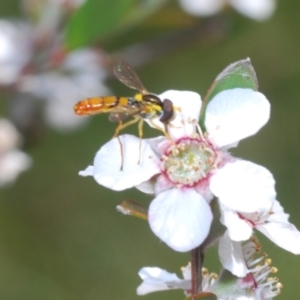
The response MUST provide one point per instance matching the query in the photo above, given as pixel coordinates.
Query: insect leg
(118, 129)
(140, 128)
(120, 143)
(121, 150)
(121, 126)
(165, 130)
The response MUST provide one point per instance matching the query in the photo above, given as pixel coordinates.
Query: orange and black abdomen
(91, 106)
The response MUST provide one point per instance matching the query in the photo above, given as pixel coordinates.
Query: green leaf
(95, 19)
(240, 74)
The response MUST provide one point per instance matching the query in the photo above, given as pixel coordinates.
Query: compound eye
(168, 111)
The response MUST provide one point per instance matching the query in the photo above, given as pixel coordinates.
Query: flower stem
(197, 257)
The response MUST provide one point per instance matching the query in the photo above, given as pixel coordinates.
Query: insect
(143, 105)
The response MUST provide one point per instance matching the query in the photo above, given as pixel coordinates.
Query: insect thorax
(151, 105)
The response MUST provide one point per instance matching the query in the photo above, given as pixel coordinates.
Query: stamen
(208, 279)
(265, 287)
(189, 161)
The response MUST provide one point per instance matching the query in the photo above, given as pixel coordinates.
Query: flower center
(189, 161)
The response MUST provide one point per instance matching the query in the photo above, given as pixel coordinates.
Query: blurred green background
(61, 237)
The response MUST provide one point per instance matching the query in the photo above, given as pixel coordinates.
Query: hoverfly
(143, 105)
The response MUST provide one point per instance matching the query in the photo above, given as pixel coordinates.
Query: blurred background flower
(61, 237)
(44, 69)
(12, 160)
(255, 9)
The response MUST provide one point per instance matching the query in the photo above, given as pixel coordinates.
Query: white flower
(185, 173)
(12, 160)
(79, 76)
(256, 9)
(272, 222)
(156, 279)
(13, 37)
(44, 70)
(253, 284)
(243, 261)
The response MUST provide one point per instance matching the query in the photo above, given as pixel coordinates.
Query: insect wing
(118, 116)
(123, 113)
(128, 76)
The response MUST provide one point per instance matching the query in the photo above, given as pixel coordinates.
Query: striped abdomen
(90, 106)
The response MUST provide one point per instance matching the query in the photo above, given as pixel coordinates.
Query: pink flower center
(189, 160)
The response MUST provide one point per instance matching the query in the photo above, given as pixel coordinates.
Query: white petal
(9, 136)
(187, 272)
(89, 171)
(238, 229)
(235, 114)
(159, 144)
(250, 297)
(278, 214)
(231, 256)
(108, 163)
(202, 7)
(12, 163)
(14, 36)
(187, 107)
(155, 274)
(285, 235)
(147, 187)
(156, 279)
(181, 218)
(255, 9)
(163, 183)
(144, 288)
(244, 186)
